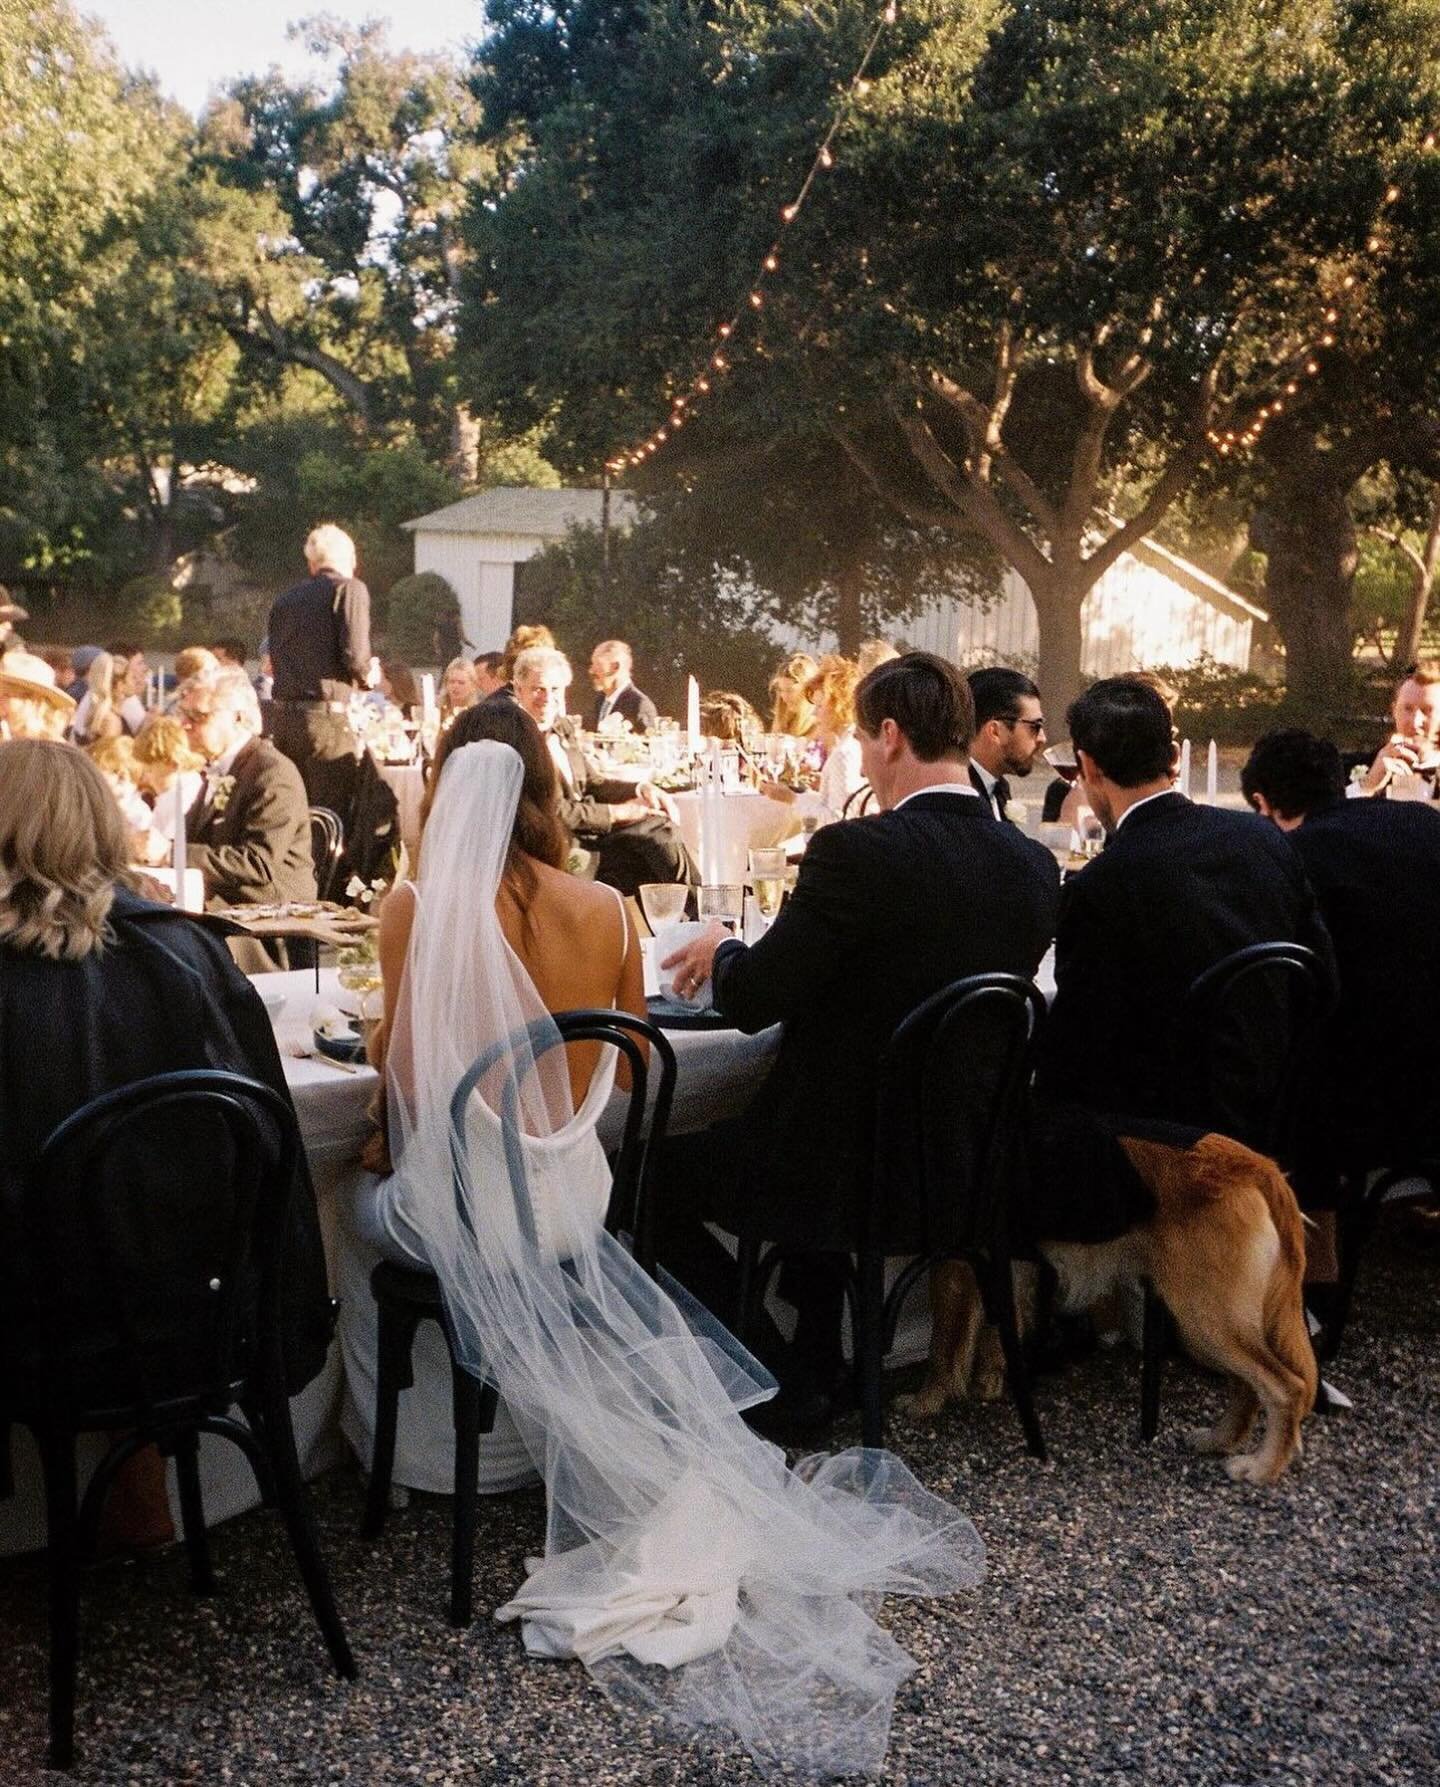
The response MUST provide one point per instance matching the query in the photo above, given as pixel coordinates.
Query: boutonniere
(220, 792)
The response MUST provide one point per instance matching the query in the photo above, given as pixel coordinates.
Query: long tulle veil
(685, 1564)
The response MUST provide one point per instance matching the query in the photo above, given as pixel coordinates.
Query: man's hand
(1395, 758)
(694, 963)
(628, 812)
(656, 800)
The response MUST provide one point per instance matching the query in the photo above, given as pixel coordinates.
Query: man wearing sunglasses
(1009, 733)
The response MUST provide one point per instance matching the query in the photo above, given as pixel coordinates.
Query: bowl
(345, 1047)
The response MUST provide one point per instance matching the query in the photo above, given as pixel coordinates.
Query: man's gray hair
(617, 648)
(330, 548)
(540, 660)
(233, 692)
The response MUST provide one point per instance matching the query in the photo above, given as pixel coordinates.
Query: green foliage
(675, 627)
(422, 620)
(1217, 701)
(151, 610)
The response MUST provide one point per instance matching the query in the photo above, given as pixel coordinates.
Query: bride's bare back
(574, 938)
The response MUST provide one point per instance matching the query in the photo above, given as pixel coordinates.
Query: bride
(690, 1570)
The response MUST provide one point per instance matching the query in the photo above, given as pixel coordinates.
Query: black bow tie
(1001, 795)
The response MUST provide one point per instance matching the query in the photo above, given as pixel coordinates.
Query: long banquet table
(718, 1070)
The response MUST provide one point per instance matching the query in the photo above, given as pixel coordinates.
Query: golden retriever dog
(1224, 1250)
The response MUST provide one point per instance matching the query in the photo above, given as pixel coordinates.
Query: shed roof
(508, 509)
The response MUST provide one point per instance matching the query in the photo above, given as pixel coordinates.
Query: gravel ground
(1143, 1620)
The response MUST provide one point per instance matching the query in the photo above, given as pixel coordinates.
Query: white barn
(476, 544)
(1150, 607)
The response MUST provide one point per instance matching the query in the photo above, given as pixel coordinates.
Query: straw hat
(29, 678)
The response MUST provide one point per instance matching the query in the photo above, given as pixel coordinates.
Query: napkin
(668, 939)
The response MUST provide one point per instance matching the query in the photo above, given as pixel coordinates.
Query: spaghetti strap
(624, 921)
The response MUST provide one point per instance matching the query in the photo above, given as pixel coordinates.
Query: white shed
(1150, 607)
(475, 545)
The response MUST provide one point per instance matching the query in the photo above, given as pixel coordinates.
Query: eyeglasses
(1036, 726)
(190, 716)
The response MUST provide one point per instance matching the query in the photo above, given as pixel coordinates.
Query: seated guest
(230, 653)
(99, 988)
(132, 673)
(791, 712)
(831, 694)
(249, 831)
(490, 673)
(727, 716)
(631, 826)
(887, 910)
(459, 689)
(31, 705)
(81, 658)
(397, 685)
(98, 715)
(522, 639)
(874, 652)
(1178, 887)
(1375, 869)
(1413, 747)
(162, 754)
(115, 759)
(611, 665)
(1009, 733)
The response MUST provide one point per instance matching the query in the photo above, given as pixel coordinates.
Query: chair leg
(192, 1514)
(998, 1295)
(1355, 1227)
(473, 1403)
(294, 1509)
(395, 1340)
(57, 1456)
(869, 1340)
(1157, 1330)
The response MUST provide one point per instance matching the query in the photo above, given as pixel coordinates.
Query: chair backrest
(155, 1218)
(950, 1116)
(630, 1206)
(1240, 1040)
(860, 802)
(327, 846)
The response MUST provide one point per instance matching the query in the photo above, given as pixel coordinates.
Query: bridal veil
(690, 1570)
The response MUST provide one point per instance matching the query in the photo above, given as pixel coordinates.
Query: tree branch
(889, 490)
(1171, 482)
(989, 446)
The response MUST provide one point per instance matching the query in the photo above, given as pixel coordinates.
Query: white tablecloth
(749, 821)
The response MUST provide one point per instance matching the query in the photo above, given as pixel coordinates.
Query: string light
(699, 386)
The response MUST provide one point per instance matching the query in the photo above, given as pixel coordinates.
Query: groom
(887, 910)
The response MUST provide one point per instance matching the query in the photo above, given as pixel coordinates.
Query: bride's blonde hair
(63, 850)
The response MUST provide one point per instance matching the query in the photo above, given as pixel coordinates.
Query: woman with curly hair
(791, 712)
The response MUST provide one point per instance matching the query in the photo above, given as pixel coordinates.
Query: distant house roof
(1199, 583)
(549, 514)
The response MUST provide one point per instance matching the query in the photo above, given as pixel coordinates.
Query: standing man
(319, 636)
(1009, 733)
(610, 666)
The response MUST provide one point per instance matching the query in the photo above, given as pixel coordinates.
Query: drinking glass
(662, 902)
(722, 905)
(1063, 761)
(767, 877)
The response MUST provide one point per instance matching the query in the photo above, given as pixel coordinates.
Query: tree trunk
(464, 457)
(1307, 534)
(1062, 638)
(849, 614)
(1407, 646)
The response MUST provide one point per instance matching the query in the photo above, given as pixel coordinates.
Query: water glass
(723, 905)
(662, 902)
(767, 877)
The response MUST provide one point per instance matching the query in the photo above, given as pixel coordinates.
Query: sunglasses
(1036, 726)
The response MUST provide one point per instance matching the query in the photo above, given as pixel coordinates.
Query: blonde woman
(830, 693)
(791, 712)
(98, 715)
(459, 689)
(100, 988)
(115, 759)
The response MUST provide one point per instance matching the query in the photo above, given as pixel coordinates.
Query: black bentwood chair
(157, 1218)
(948, 1156)
(1239, 1048)
(327, 849)
(405, 1298)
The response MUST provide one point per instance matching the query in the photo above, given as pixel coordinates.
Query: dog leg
(956, 1316)
(1232, 1430)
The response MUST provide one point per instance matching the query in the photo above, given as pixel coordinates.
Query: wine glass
(767, 877)
(662, 902)
(723, 905)
(1063, 761)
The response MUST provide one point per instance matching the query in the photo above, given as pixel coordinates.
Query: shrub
(422, 624)
(1234, 707)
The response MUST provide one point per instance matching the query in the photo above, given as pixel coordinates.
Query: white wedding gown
(685, 1565)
